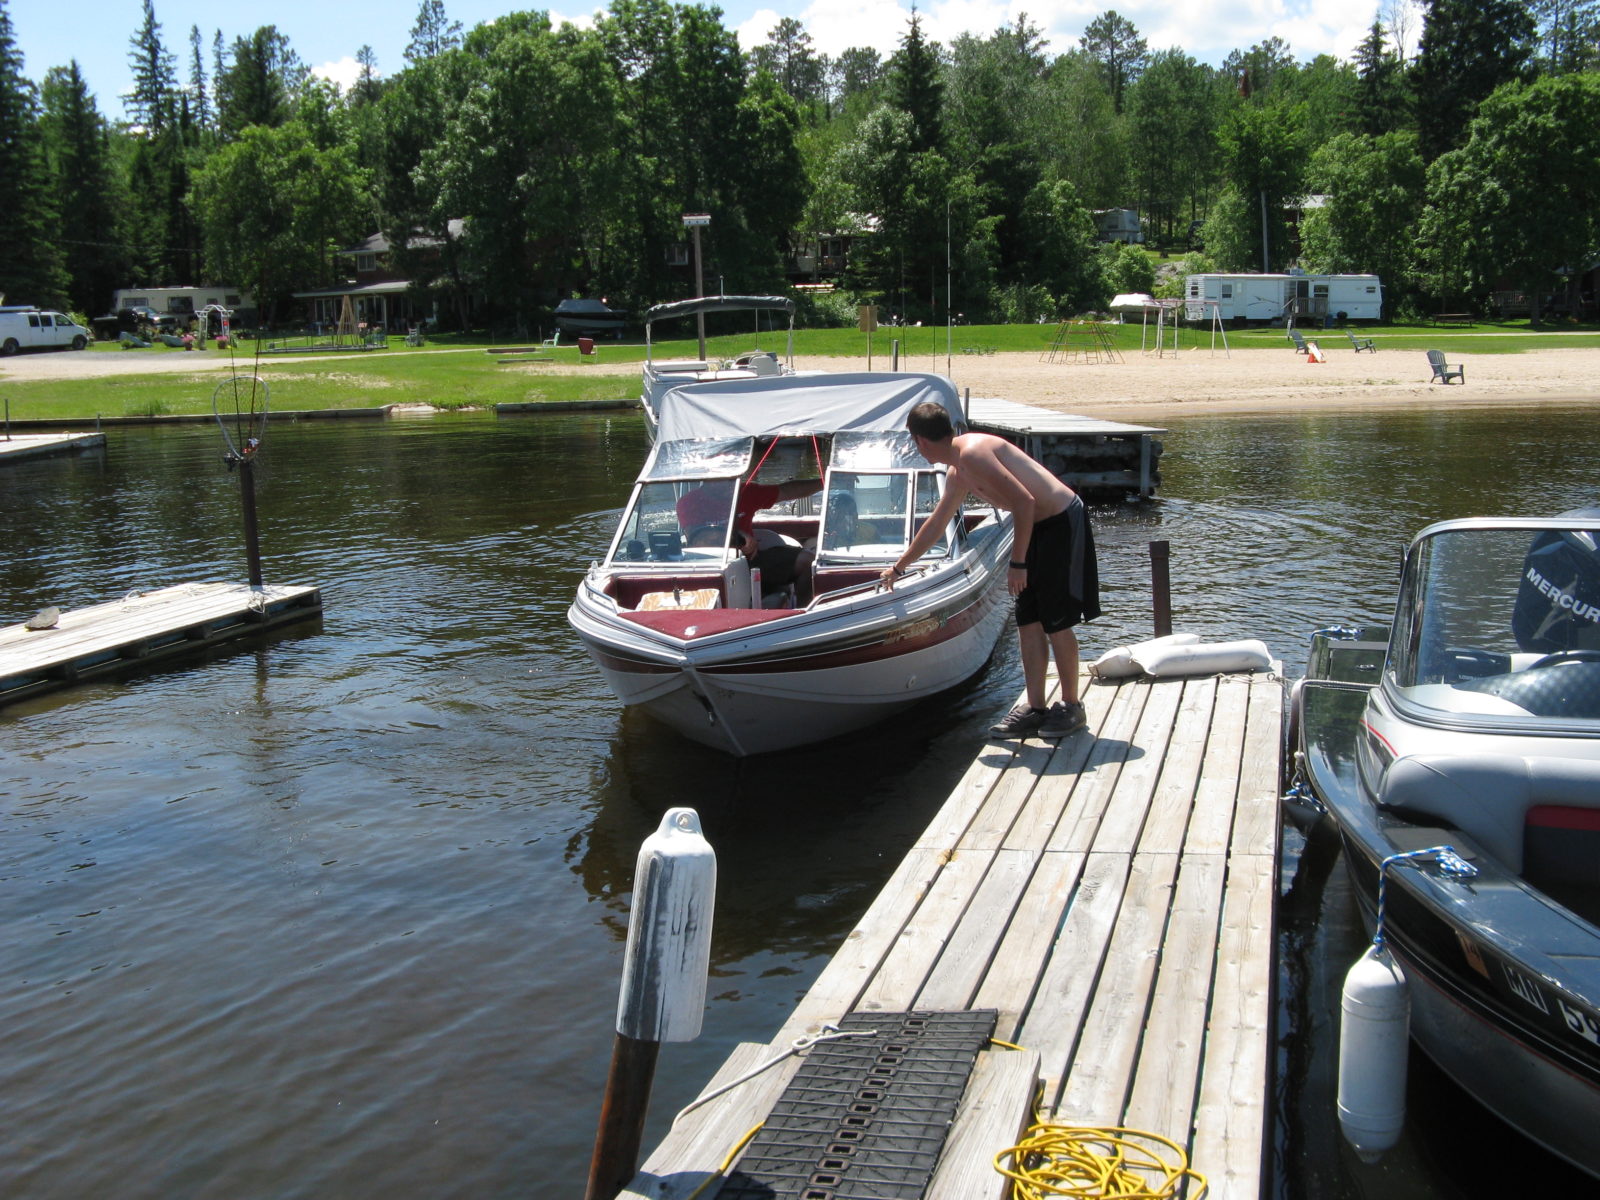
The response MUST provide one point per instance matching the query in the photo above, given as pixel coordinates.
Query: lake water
(340, 913)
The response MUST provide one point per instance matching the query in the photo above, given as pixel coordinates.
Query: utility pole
(694, 222)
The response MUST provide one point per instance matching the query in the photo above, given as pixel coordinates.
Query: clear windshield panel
(664, 524)
(867, 515)
(876, 451)
(698, 460)
(1502, 625)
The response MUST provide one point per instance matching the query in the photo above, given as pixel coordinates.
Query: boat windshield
(1499, 623)
(873, 515)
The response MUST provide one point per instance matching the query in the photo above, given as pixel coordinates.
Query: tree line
(520, 162)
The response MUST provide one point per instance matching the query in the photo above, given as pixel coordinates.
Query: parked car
(26, 328)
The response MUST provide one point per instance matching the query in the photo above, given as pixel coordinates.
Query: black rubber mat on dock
(864, 1118)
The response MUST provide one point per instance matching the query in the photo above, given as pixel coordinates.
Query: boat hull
(806, 677)
(1504, 980)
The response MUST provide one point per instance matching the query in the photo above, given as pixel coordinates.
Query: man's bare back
(994, 469)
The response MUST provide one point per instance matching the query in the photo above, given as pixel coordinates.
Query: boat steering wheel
(1563, 656)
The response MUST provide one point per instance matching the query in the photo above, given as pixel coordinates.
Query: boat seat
(1489, 797)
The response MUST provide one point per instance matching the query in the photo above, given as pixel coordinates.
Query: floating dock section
(1104, 460)
(1108, 901)
(140, 629)
(16, 446)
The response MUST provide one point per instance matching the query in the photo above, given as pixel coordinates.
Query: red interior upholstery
(627, 590)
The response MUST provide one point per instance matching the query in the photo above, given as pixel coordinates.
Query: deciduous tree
(1520, 201)
(272, 207)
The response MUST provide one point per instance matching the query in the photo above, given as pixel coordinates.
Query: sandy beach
(1140, 388)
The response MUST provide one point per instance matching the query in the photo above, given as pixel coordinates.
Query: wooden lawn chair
(1360, 344)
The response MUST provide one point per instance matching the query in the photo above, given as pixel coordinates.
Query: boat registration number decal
(1526, 988)
(1581, 1023)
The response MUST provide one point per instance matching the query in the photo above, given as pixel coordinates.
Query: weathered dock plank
(19, 446)
(141, 628)
(1111, 898)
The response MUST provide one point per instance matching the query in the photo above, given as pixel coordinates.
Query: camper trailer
(184, 302)
(1295, 296)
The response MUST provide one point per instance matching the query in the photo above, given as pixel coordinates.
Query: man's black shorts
(1063, 576)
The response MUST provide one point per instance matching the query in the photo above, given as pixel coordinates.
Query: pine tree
(200, 97)
(1469, 48)
(915, 88)
(88, 192)
(1377, 98)
(433, 34)
(150, 104)
(1113, 42)
(30, 269)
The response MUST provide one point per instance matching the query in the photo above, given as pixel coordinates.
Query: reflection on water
(339, 913)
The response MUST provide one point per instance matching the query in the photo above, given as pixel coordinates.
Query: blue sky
(328, 34)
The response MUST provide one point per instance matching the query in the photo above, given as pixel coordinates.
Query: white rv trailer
(1304, 297)
(186, 301)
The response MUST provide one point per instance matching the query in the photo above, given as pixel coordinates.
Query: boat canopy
(704, 304)
(708, 428)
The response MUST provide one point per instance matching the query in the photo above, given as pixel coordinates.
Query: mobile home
(1280, 297)
(186, 301)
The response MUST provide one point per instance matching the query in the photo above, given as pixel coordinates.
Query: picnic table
(1454, 318)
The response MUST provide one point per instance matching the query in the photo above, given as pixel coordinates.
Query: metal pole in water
(1161, 587)
(663, 993)
(252, 533)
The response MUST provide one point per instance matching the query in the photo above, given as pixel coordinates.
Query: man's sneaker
(1063, 719)
(1019, 722)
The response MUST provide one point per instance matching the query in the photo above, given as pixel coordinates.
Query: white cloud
(1205, 29)
(343, 72)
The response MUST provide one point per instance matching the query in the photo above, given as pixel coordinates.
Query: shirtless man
(1053, 572)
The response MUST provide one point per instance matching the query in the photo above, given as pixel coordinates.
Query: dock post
(1160, 588)
(252, 533)
(894, 363)
(663, 993)
(8, 418)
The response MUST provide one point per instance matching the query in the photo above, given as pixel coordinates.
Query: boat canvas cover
(865, 413)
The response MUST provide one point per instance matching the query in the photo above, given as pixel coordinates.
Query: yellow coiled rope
(1074, 1160)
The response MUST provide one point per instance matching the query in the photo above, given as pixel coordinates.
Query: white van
(24, 328)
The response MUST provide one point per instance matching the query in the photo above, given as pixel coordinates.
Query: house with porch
(379, 294)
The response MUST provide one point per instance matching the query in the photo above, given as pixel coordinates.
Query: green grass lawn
(456, 372)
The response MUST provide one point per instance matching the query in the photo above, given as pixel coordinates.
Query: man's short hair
(930, 420)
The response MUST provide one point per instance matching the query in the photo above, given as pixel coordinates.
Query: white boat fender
(664, 966)
(1119, 663)
(1205, 658)
(1373, 1043)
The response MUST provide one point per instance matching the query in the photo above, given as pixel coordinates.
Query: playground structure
(1164, 340)
(1082, 342)
(344, 335)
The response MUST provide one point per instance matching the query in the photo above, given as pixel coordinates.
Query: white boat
(681, 628)
(662, 375)
(1457, 753)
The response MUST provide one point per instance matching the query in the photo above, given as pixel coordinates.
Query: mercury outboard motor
(1558, 601)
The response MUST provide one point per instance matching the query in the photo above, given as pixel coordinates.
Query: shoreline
(1140, 388)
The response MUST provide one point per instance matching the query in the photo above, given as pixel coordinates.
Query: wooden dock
(17, 446)
(140, 629)
(1097, 457)
(1112, 897)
